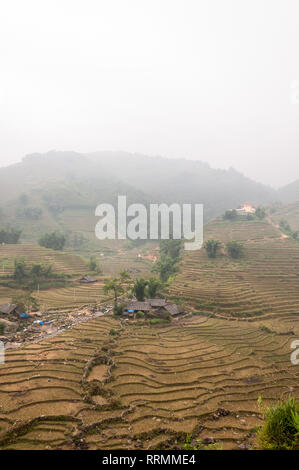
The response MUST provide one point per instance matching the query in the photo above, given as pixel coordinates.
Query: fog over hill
(45, 187)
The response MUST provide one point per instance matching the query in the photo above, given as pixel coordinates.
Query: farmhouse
(7, 308)
(136, 306)
(159, 306)
(155, 303)
(173, 309)
(245, 209)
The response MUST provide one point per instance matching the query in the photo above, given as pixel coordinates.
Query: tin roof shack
(87, 279)
(156, 303)
(136, 306)
(173, 309)
(8, 308)
(153, 308)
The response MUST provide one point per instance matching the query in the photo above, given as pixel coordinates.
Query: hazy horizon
(208, 80)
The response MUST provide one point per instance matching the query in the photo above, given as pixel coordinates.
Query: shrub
(230, 215)
(153, 321)
(260, 212)
(211, 247)
(113, 332)
(200, 445)
(235, 249)
(1, 328)
(93, 265)
(281, 428)
(140, 314)
(10, 236)
(53, 240)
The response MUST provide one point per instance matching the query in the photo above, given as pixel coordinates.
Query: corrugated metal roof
(7, 308)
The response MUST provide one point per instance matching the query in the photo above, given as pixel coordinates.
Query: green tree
(171, 248)
(295, 235)
(20, 273)
(235, 249)
(53, 240)
(116, 287)
(153, 287)
(25, 301)
(138, 288)
(10, 236)
(93, 265)
(260, 212)
(230, 215)
(39, 271)
(125, 277)
(212, 246)
(165, 266)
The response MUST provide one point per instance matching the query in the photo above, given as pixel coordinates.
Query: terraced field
(75, 266)
(145, 389)
(71, 297)
(290, 213)
(61, 262)
(264, 282)
(150, 385)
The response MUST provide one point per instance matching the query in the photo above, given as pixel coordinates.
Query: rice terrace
(82, 372)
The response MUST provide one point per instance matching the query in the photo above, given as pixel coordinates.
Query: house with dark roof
(173, 309)
(155, 303)
(7, 308)
(87, 279)
(152, 306)
(137, 306)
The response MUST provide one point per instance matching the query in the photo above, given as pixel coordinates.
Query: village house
(8, 308)
(158, 306)
(87, 279)
(245, 209)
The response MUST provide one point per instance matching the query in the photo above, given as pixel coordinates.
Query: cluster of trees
(285, 227)
(10, 236)
(230, 215)
(143, 288)
(260, 213)
(93, 265)
(31, 213)
(35, 273)
(118, 286)
(25, 301)
(53, 240)
(166, 266)
(234, 248)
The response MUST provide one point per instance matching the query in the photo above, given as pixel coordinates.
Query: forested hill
(48, 191)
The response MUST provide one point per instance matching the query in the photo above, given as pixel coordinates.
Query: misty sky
(201, 79)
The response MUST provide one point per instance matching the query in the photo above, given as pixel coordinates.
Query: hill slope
(263, 283)
(60, 190)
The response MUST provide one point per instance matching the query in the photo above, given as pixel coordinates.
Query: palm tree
(116, 287)
(211, 246)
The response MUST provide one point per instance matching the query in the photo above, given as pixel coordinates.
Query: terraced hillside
(145, 388)
(61, 262)
(75, 266)
(67, 298)
(290, 213)
(263, 283)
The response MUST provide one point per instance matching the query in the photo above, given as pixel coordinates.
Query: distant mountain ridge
(56, 190)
